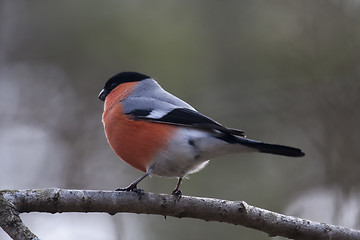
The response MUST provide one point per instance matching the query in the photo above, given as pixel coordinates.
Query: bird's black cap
(118, 79)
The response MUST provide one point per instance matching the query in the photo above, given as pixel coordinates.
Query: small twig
(235, 212)
(10, 220)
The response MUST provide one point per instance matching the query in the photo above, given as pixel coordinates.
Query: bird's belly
(186, 153)
(168, 164)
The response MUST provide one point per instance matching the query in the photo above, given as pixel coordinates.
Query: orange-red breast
(160, 134)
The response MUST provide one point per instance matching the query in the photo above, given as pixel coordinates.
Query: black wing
(186, 117)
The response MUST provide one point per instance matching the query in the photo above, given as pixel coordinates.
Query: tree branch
(236, 212)
(10, 220)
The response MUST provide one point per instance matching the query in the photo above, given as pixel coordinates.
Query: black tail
(272, 148)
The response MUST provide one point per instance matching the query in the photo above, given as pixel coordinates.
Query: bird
(160, 134)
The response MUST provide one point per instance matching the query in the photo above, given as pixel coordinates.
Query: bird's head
(118, 79)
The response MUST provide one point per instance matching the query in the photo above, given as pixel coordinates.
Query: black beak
(103, 94)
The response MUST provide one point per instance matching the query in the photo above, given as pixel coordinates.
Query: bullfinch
(160, 134)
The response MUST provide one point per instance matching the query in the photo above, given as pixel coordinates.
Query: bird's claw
(177, 193)
(132, 188)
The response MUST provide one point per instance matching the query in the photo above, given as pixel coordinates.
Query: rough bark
(14, 202)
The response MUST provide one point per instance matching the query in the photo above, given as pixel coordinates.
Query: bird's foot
(177, 193)
(132, 188)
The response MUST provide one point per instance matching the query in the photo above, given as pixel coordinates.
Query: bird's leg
(133, 186)
(176, 191)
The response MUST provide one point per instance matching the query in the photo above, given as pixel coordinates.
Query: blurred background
(286, 72)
